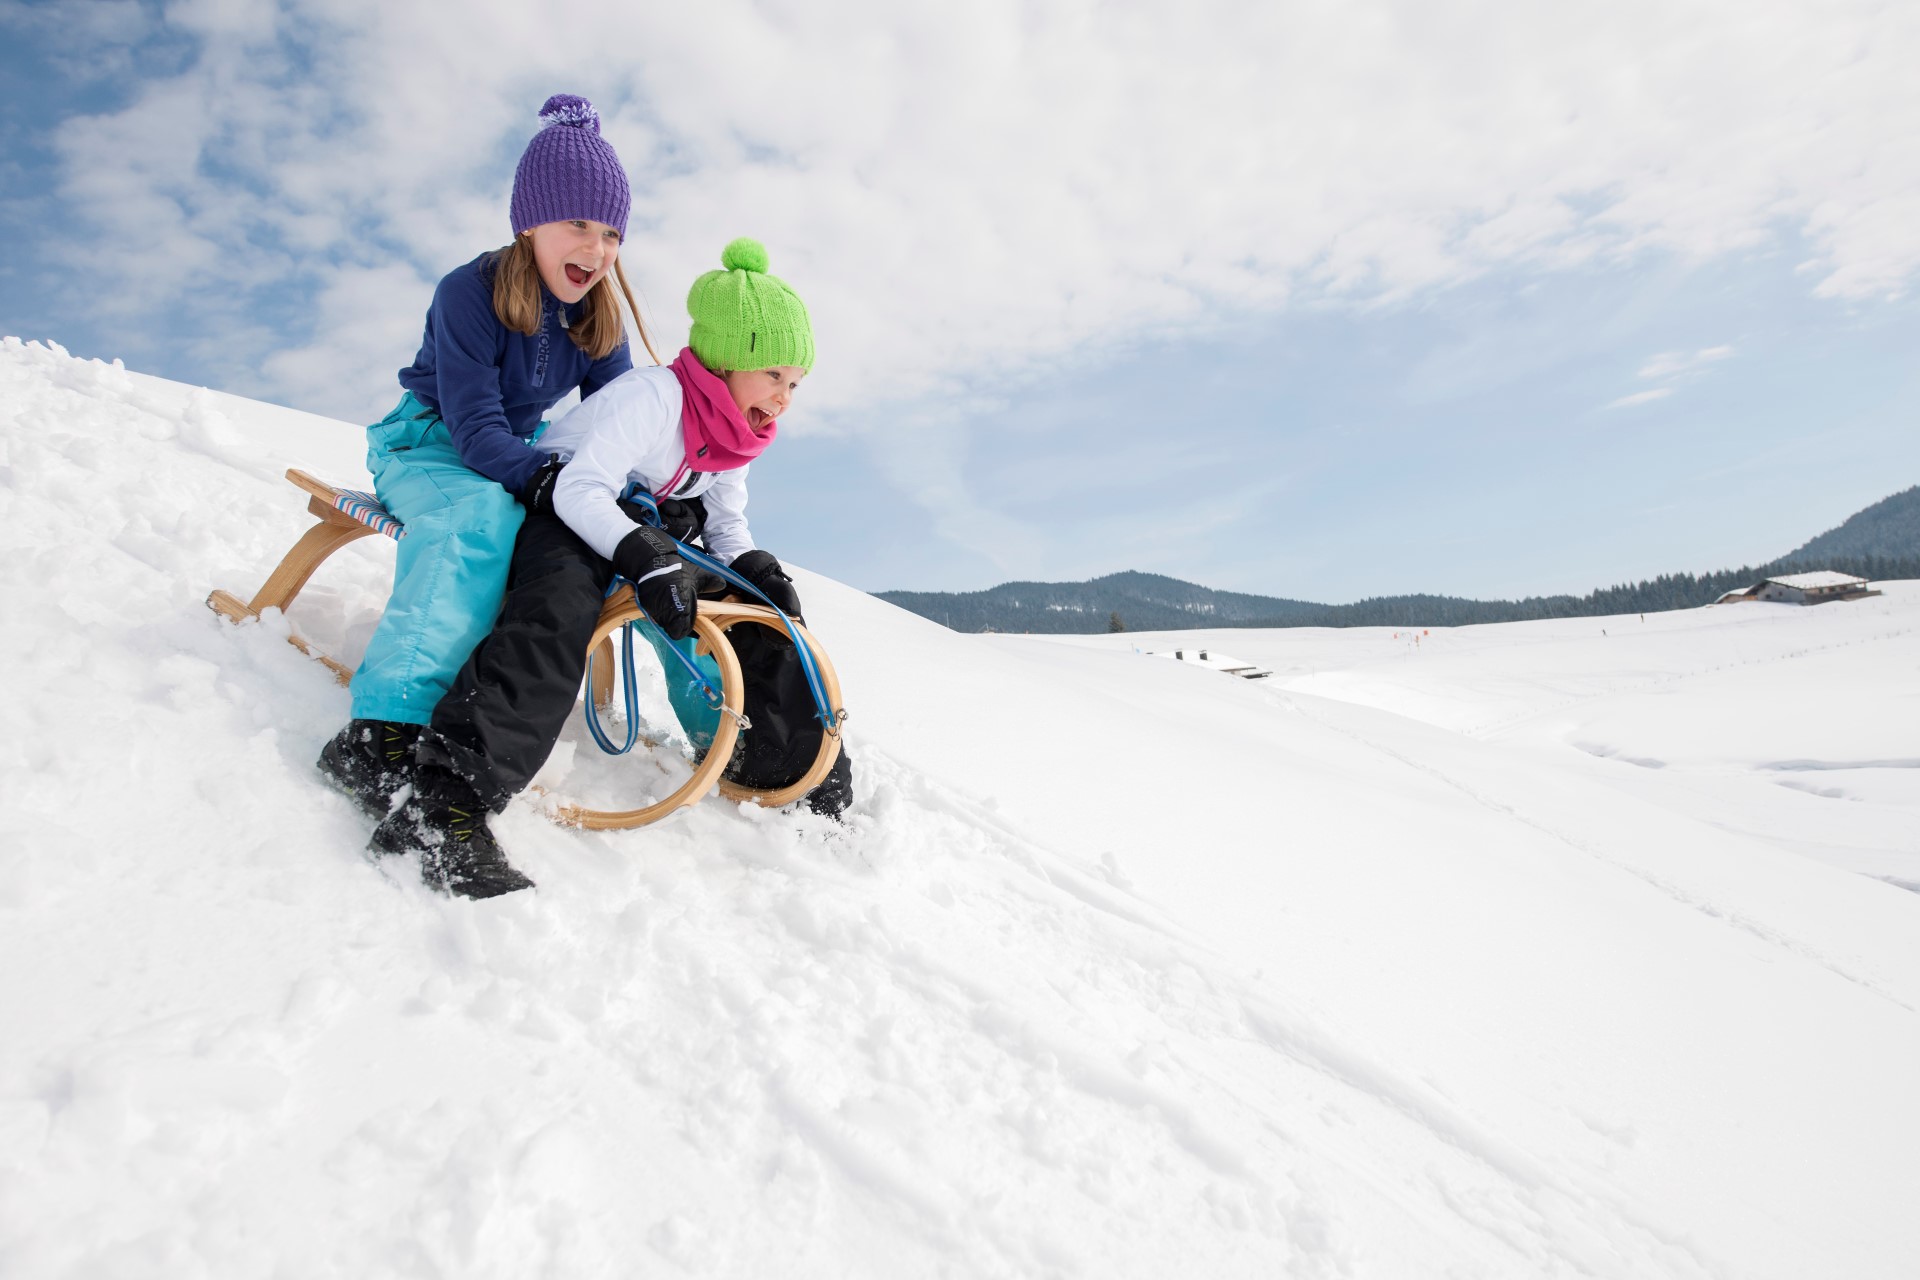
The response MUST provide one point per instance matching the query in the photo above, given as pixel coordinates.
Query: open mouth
(758, 417)
(576, 276)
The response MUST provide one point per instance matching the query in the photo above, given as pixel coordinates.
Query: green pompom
(744, 254)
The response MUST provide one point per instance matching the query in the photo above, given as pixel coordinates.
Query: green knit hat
(744, 318)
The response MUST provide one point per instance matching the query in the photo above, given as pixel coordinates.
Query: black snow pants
(498, 723)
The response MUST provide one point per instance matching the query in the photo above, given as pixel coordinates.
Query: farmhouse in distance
(1818, 587)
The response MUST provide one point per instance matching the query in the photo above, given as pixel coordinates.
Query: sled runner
(346, 515)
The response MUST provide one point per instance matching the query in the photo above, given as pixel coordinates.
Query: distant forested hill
(1881, 542)
(1145, 601)
(1890, 527)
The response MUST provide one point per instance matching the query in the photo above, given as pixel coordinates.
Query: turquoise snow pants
(450, 571)
(699, 720)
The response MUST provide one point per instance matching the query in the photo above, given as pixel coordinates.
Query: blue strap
(823, 712)
(633, 699)
(714, 697)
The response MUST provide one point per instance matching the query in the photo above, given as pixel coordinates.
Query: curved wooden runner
(730, 614)
(336, 529)
(619, 611)
(726, 615)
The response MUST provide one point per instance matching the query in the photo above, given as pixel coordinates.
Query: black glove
(681, 518)
(648, 559)
(764, 572)
(684, 518)
(537, 496)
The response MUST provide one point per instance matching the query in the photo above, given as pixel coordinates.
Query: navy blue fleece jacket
(491, 385)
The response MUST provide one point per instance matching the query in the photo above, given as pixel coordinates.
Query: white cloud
(355, 329)
(1671, 364)
(86, 42)
(1672, 368)
(1641, 397)
(999, 186)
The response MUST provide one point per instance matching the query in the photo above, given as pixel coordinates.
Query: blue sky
(1320, 302)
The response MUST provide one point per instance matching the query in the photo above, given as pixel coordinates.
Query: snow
(1572, 948)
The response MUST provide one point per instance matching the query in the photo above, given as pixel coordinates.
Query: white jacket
(629, 430)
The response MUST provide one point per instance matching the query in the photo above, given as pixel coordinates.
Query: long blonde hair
(516, 302)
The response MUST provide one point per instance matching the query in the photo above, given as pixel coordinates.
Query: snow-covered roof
(1217, 661)
(1817, 579)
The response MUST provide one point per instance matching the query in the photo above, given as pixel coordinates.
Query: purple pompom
(569, 109)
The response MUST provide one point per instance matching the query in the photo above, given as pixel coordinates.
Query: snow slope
(1408, 961)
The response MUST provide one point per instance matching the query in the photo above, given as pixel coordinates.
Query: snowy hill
(1545, 949)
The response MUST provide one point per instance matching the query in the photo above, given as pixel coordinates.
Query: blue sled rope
(700, 727)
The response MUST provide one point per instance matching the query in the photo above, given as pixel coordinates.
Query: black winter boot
(370, 760)
(835, 791)
(446, 825)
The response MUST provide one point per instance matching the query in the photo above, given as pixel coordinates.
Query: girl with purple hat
(508, 335)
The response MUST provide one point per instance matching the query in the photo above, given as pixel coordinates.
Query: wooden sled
(345, 515)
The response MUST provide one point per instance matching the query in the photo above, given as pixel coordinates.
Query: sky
(1311, 300)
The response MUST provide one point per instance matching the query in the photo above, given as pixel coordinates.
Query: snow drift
(1531, 950)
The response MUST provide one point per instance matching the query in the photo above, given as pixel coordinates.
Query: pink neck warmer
(716, 432)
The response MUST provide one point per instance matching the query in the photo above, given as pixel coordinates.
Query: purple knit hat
(569, 171)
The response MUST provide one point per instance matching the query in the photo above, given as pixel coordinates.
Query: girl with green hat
(684, 433)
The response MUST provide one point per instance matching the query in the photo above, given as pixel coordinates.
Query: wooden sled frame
(342, 520)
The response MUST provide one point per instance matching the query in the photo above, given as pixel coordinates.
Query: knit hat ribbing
(744, 318)
(569, 171)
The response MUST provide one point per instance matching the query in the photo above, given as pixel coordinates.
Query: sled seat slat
(355, 504)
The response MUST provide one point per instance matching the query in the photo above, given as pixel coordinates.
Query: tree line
(1653, 595)
(1121, 602)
